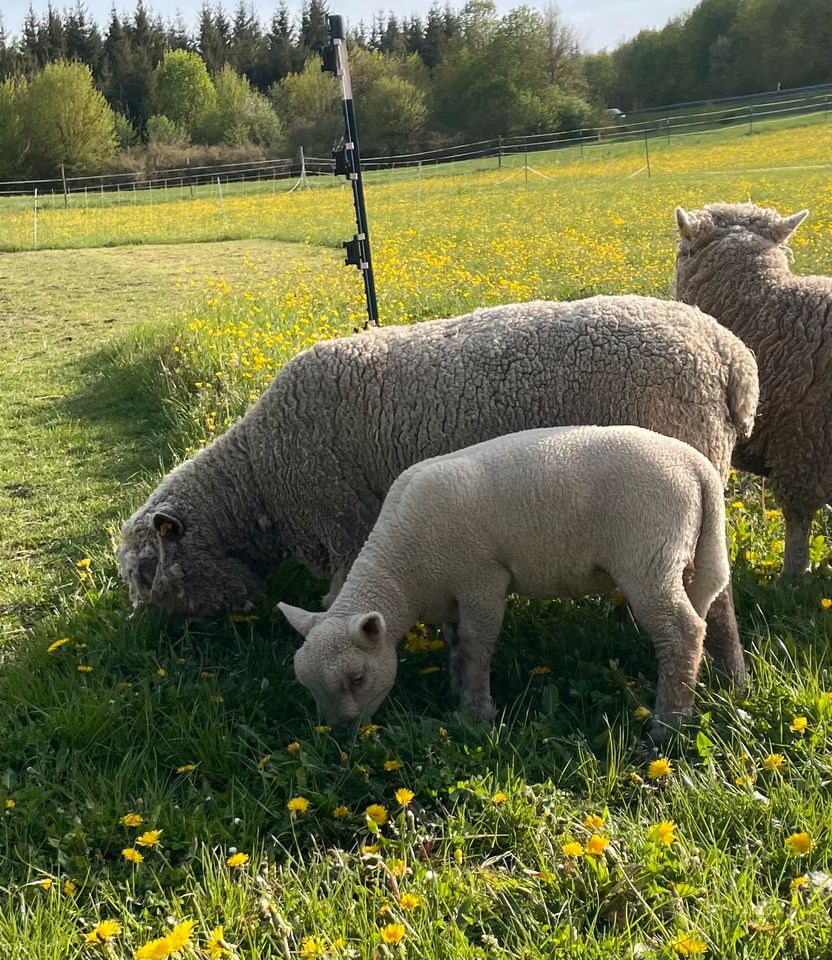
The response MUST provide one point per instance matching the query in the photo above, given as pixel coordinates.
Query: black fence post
(348, 163)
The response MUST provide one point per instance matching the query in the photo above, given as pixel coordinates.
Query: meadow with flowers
(168, 793)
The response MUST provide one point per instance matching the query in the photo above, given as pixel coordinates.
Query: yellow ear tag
(165, 528)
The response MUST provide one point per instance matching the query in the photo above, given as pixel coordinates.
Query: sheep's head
(174, 562)
(697, 228)
(347, 662)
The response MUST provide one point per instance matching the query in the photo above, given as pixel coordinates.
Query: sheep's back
(363, 409)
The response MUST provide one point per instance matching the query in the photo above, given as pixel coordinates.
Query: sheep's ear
(302, 620)
(167, 525)
(784, 228)
(684, 223)
(368, 629)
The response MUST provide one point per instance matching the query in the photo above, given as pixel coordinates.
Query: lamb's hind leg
(678, 634)
(722, 641)
(480, 618)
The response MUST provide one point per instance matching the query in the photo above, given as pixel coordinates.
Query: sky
(599, 23)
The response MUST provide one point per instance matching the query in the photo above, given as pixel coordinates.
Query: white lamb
(550, 512)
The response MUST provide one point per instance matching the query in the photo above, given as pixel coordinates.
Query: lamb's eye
(355, 680)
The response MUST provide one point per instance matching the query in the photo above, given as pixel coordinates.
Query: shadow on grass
(124, 402)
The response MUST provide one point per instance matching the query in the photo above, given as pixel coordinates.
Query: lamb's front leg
(480, 619)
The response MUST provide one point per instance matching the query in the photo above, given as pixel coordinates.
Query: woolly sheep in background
(555, 512)
(304, 473)
(732, 261)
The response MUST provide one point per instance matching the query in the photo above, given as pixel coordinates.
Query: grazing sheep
(305, 472)
(562, 511)
(732, 261)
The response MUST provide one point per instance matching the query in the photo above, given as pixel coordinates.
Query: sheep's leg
(722, 642)
(335, 585)
(796, 553)
(678, 634)
(456, 666)
(480, 619)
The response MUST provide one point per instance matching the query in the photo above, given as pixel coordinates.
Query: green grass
(95, 408)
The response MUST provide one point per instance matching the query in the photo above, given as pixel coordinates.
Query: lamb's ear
(368, 629)
(302, 620)
(684, 222)
(167, 525)
(783, 229)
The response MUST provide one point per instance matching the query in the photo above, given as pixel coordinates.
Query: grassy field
(552, 834)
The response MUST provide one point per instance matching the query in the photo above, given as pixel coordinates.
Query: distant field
(543, 837)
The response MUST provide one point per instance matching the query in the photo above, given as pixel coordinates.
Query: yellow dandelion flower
(238, 860)
(799, 844)
(593, 821)
(663, 833)
(83, 564)
(540, 671)
(377, 813)
(340, 812)
(57, 644)
(104, 931)
(409, 901)
(688, 944)
(572, 849)
(499, 797)
(181, 934)
(312, 947)
(738, 505)
(826, 602)
(293, 747)
(798, 725)
(775, 763)
(297, 805)
(131, 820)
(404, 796)
(641, 713)
(392, 933)
(161, 672)
(596, 845)
(798, 882)
(150, 838)
(264, 761)
(46, 883)
(397, 867)
(11, 804)
(216, 944)
(368, 730)
(186, 768)
(392, 765)
(442, 732)
(744, 779)
(133, 855)
(322, 728)
(154, 950)
(70, 888)
(659, 768)
(84, 668)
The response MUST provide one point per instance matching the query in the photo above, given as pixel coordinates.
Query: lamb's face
(171, 562)
(346, 662)
(698, 228)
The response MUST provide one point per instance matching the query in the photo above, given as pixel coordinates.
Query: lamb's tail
(743, 389)
(712, 569)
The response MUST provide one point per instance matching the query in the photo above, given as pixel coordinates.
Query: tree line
(146, 92)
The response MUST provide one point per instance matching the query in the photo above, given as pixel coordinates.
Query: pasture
(177, 783)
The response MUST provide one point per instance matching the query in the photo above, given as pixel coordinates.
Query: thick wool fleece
(305, 472)
(732, 261)
(554, 512)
